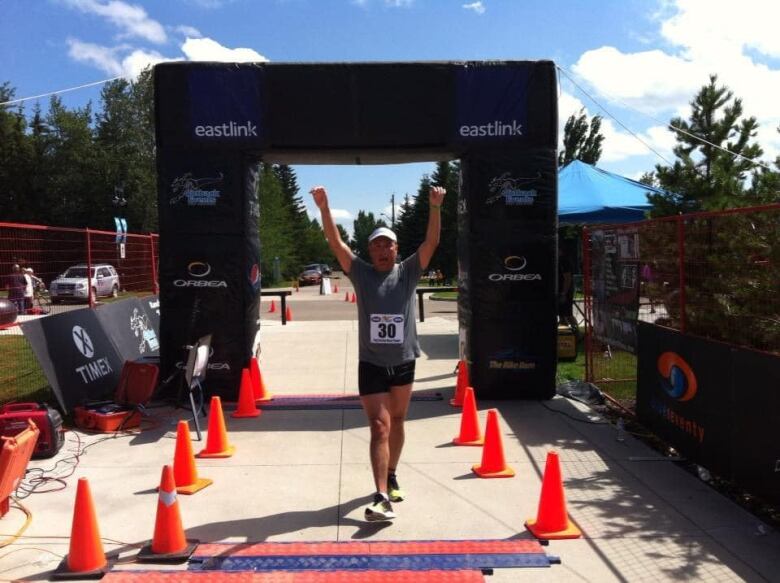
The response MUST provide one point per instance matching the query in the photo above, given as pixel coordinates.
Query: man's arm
(340, 249)
(432, 234)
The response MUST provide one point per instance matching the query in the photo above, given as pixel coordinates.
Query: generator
(13, 420)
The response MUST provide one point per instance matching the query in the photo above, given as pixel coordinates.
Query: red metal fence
(714, 275)
(50, 252)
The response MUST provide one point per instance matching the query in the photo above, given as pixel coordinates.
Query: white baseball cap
(382, 232)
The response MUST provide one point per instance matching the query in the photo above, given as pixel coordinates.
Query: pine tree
(276, 234)
(363, 226)
(704, 176)
(581, 139)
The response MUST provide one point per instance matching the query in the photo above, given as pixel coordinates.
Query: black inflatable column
(209, 262)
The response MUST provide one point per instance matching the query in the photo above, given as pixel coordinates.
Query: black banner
(132, 331)
(756, 422)
(77, 356)
(684, 394)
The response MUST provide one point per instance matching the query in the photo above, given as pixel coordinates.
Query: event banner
(363, 111)
(131, 328)
(756, 422)
(507, 272)
(615, 286)
(77, 356)
(685, 395)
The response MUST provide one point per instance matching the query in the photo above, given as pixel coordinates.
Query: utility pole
(392, 203)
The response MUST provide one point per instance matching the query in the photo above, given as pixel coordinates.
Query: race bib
(387, 328)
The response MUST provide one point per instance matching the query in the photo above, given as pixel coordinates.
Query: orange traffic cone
(470, 433)
(246, 397)
(168, 543)
(552, 521)
(216, 439)
(272, 309)
(184, 470)
(346, 296)
(461, 384)
(260, 392)
(493, 464)
(288, 314)
(354, 299)
(335, 288)
(85, 559)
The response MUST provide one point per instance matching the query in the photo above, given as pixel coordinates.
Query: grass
(21, 379)
(447, 295)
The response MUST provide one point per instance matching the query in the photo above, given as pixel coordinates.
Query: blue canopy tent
(587, 194)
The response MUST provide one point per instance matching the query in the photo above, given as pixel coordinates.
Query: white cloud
(618, 144)
(738, 43)
(478, 7)
(110, 59)
(131, 19)
(187, 31)
(206, 49)
(341, 215)
(104, 58)
(399, 3)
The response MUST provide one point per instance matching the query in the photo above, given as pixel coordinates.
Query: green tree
(15, 159)
(276, 234)
(704, 176)
(582, 139)
(362, 227)
(447, 174)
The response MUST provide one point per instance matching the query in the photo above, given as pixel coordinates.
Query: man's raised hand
(320, 196)
(436, 196)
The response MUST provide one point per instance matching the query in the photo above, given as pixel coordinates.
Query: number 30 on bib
(387, 328)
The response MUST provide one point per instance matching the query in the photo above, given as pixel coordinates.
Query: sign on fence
(615, 261)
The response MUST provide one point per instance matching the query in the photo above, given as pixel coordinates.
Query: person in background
(29, 289)
(566, 293)
(16, 285)
(387, 338)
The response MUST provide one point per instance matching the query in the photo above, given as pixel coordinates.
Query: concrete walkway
(305, 476)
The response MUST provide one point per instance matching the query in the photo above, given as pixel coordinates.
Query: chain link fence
(50, 270)
(714, 275)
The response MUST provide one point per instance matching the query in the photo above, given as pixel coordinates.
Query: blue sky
(642, 60)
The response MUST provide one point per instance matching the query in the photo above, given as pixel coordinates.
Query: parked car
(73, 283)
(310, 276)
(323, 268)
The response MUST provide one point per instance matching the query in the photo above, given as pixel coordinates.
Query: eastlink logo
(495, 128)
(227, 130)
(199, 270)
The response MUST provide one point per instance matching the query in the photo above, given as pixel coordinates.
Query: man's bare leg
(399, 406)
(377, 409)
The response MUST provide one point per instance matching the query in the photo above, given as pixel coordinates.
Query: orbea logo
(199, 270)
(514, 264)
(495, 128)
(227, 130)
(677, 377)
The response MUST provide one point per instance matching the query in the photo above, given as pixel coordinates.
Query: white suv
(73, 284)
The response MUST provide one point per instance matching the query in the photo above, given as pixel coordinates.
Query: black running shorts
(373, 379)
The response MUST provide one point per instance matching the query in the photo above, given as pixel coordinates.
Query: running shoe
(394, 491)
(380, 509)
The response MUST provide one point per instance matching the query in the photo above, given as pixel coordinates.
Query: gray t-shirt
(387, 329)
